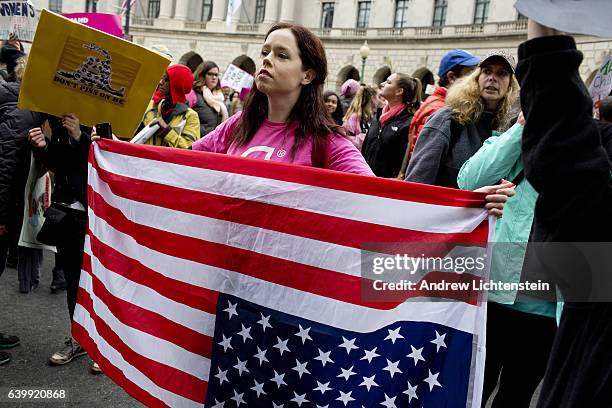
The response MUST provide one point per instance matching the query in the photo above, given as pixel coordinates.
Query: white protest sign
(145, 134)
(37, 198)
(236, 78)
(602, 83)
(591, 17)
(18, 18)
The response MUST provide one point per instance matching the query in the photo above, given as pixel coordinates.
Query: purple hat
(349, 88)
(454, 58)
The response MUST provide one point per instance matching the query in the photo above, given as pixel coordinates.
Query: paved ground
(40, 319)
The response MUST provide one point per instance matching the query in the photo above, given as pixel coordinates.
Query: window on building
(90, 6)
(363, 14)
(55, 6)
(401, 14)
(260, 11)
(206, 10)
(153, 8)
(439, 18)
(481, 13)
(327, 14)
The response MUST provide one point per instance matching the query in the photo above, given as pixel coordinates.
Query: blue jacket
(500, 158)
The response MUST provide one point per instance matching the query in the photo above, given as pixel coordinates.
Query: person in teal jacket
(519, 334)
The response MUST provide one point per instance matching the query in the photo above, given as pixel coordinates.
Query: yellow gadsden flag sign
(100, 78)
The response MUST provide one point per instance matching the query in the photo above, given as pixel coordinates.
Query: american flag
(219, 281)
(124, 4)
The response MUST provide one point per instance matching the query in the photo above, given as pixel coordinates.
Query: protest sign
(591, 17)
(145, 134)
(100, 78)
(236, 78)
(37, 198)
(109, 23)
(602, 83)
(18, 18)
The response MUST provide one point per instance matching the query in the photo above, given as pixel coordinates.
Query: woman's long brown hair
(412, 91)
(310, 111)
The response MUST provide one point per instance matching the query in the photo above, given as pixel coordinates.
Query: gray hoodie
(444, 145)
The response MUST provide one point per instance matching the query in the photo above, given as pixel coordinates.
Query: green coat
(500, 158)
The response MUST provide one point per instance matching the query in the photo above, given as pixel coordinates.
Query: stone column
(165, 9)
(287, 11)
(181, 9)
(219, 11)
(105, 7)
(271, 15)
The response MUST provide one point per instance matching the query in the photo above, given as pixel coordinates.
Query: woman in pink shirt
(285, 119)
(359, 115)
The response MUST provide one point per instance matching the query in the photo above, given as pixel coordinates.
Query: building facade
(407, 36)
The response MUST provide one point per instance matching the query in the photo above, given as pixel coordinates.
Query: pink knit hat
(349, 88)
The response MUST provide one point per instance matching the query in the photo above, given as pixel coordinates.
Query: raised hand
(72, 124)
(36, 137)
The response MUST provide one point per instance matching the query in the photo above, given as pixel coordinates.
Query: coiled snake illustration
(95, 72)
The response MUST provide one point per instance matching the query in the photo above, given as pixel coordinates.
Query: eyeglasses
(212, 74)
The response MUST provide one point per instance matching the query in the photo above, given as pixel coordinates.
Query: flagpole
(128, 10)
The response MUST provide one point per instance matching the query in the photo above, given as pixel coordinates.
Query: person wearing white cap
(454, 65)
(162, 49)
(477, 105)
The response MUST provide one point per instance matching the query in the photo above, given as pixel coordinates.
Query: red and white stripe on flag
(169, 230)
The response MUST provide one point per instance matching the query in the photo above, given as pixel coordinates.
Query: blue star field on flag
(264, 358)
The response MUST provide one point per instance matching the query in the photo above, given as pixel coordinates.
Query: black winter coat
(209, 118)
(567, 163)
(14, 152)
(384, 148)
(67, 159)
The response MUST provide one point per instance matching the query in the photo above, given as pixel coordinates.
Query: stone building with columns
(402, 35)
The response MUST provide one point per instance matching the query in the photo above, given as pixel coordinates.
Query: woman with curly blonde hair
(477, 106)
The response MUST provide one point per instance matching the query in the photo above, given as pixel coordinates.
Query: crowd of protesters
(468, 134)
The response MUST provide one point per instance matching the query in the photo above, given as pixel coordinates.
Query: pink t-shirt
(353, 127)
(273, 141)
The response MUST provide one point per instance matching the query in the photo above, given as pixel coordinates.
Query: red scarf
(390, 113)
(157, 97)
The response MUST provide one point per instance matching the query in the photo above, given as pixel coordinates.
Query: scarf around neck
(389, 113)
